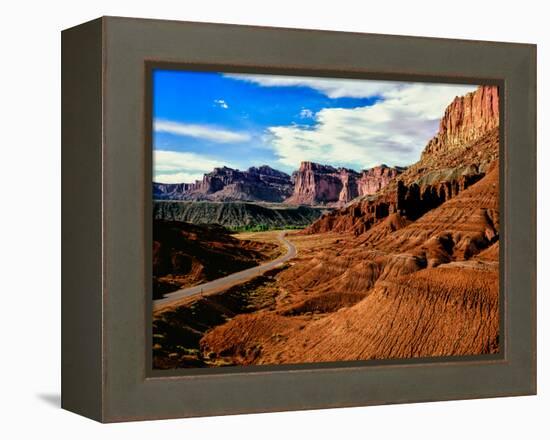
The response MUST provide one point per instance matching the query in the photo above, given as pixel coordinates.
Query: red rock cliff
(463, 151)
(226, 184)
(314, 184)
(466, 119)
(323, 184)
(374, 179)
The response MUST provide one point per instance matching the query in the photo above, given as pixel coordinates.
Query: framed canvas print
(263, 219)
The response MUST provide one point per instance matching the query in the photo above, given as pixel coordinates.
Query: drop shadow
(52, 399)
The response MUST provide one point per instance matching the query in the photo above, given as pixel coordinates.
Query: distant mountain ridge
(311, 184)
(227, 184)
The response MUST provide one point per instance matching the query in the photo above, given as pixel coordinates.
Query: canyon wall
(227, 184)
(466, 119)
(311, 184)
(374, 179)
(316, 184)
(463, 151)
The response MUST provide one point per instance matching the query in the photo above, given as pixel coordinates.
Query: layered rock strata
(462, 152)
(316, 184)
(227, 184)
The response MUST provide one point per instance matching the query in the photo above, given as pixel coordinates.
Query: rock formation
(374, 179)
(170, 190)
(226, 184)
(311, 184)
(461, 153)
(316, 184)
(466, 119)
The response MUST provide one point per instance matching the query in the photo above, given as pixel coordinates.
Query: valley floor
(282, 248)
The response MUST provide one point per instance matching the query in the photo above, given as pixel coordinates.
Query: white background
(30, 218)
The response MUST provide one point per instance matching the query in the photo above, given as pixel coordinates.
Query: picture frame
(106, 219)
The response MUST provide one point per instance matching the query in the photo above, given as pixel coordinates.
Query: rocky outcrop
(170, 190)
(466, 119)
(374, 179)
(464, 150)
(311, 184)
(227, 184)
(349, 190)
(316, 184)
(411, 201)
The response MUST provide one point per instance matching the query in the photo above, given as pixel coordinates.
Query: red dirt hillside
(181, 259)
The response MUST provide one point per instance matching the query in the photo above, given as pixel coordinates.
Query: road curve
(231, 280)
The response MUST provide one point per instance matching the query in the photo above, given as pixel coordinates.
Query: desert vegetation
(238, 216)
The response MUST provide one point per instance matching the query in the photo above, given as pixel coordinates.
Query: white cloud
(207, 132)
(177, 178)
(182, 167)
(331, 87)
(392, 131)
(425, 99)
(221, 103)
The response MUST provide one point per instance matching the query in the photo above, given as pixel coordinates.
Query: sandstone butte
(411, 271)
(316, 184)
(227, 184)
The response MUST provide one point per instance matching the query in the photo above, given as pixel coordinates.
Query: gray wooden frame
(106, 233)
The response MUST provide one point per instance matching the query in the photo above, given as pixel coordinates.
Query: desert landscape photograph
(308, 220)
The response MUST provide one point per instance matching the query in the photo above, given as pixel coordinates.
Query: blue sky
(208, 119)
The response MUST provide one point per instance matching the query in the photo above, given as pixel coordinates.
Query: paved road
(230, 280)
